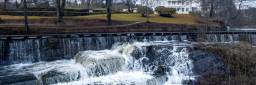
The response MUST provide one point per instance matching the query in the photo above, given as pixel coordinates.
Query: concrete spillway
(14, 51)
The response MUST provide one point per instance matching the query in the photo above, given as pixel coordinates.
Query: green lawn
(179, 19)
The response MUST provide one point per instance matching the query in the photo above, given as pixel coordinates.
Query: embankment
(241, 60)
(101, 27)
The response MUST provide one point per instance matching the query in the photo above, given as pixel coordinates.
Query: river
(120, 60)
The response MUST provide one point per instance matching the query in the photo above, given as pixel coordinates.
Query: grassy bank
(241, 60)
(179, 19)
(98, 23)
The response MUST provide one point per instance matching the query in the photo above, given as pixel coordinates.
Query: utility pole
(25, 17)
(109, 11)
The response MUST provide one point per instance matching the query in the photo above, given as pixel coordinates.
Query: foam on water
(69, 68)
(177, 79)
(135, 70)
(124, 78)
(119, 66)
(98, 63)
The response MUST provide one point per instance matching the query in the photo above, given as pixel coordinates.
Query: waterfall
(115, 63)
(41, 72)
(100, 63)
(120, 60)
(51, 49)
(35, 50)
(253, 39)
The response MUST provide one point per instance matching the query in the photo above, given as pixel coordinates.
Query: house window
(187, 9)
(178, 9)
(182, 9)
(173, 2)
(169, 2)
(179, 2)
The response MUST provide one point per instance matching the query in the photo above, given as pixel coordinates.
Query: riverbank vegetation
(241, 61)
(229, 12)
(165, 12)
(179, 18)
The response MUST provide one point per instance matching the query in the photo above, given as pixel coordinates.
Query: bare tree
(58, 9)
(208, 7)
(60, 6)
(241, 4)
(223, 10)
(109, 11)
(84, 3)
(129, 4)
(25, 16)
(89, 4)
(5, 3)
(16, 4)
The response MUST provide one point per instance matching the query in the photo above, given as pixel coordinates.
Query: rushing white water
(98, 63)
(126, 60)
(42, 72)
(119, 67)
(137, 63)
(127, 78)
(50, 49)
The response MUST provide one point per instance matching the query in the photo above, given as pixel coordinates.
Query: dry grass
(241, 60)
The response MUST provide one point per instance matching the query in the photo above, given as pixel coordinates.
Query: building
(245, 4)
(182, 6)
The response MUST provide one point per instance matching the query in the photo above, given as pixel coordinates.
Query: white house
(182, 6)
(245, 4)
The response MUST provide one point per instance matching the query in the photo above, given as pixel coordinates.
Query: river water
(157, 60)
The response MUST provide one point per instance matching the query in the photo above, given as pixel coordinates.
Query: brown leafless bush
(241, 60)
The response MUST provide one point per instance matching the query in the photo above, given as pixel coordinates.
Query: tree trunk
(128, 3)
(109, 11)
(25, 17)
(5, 4)
(60, 6)
(63, 5)
(83, 3)
(16, 4)
(211, 14)
(76, 2)
(89, 4)
(58, 10)
(102, 3)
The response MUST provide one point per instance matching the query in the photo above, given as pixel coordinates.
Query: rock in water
(18, 79)
(59, 71)
(54, 77)
(99, 63)
(42, 73)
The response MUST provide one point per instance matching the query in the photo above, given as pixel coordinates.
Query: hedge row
(165, 12)
(145, 11)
